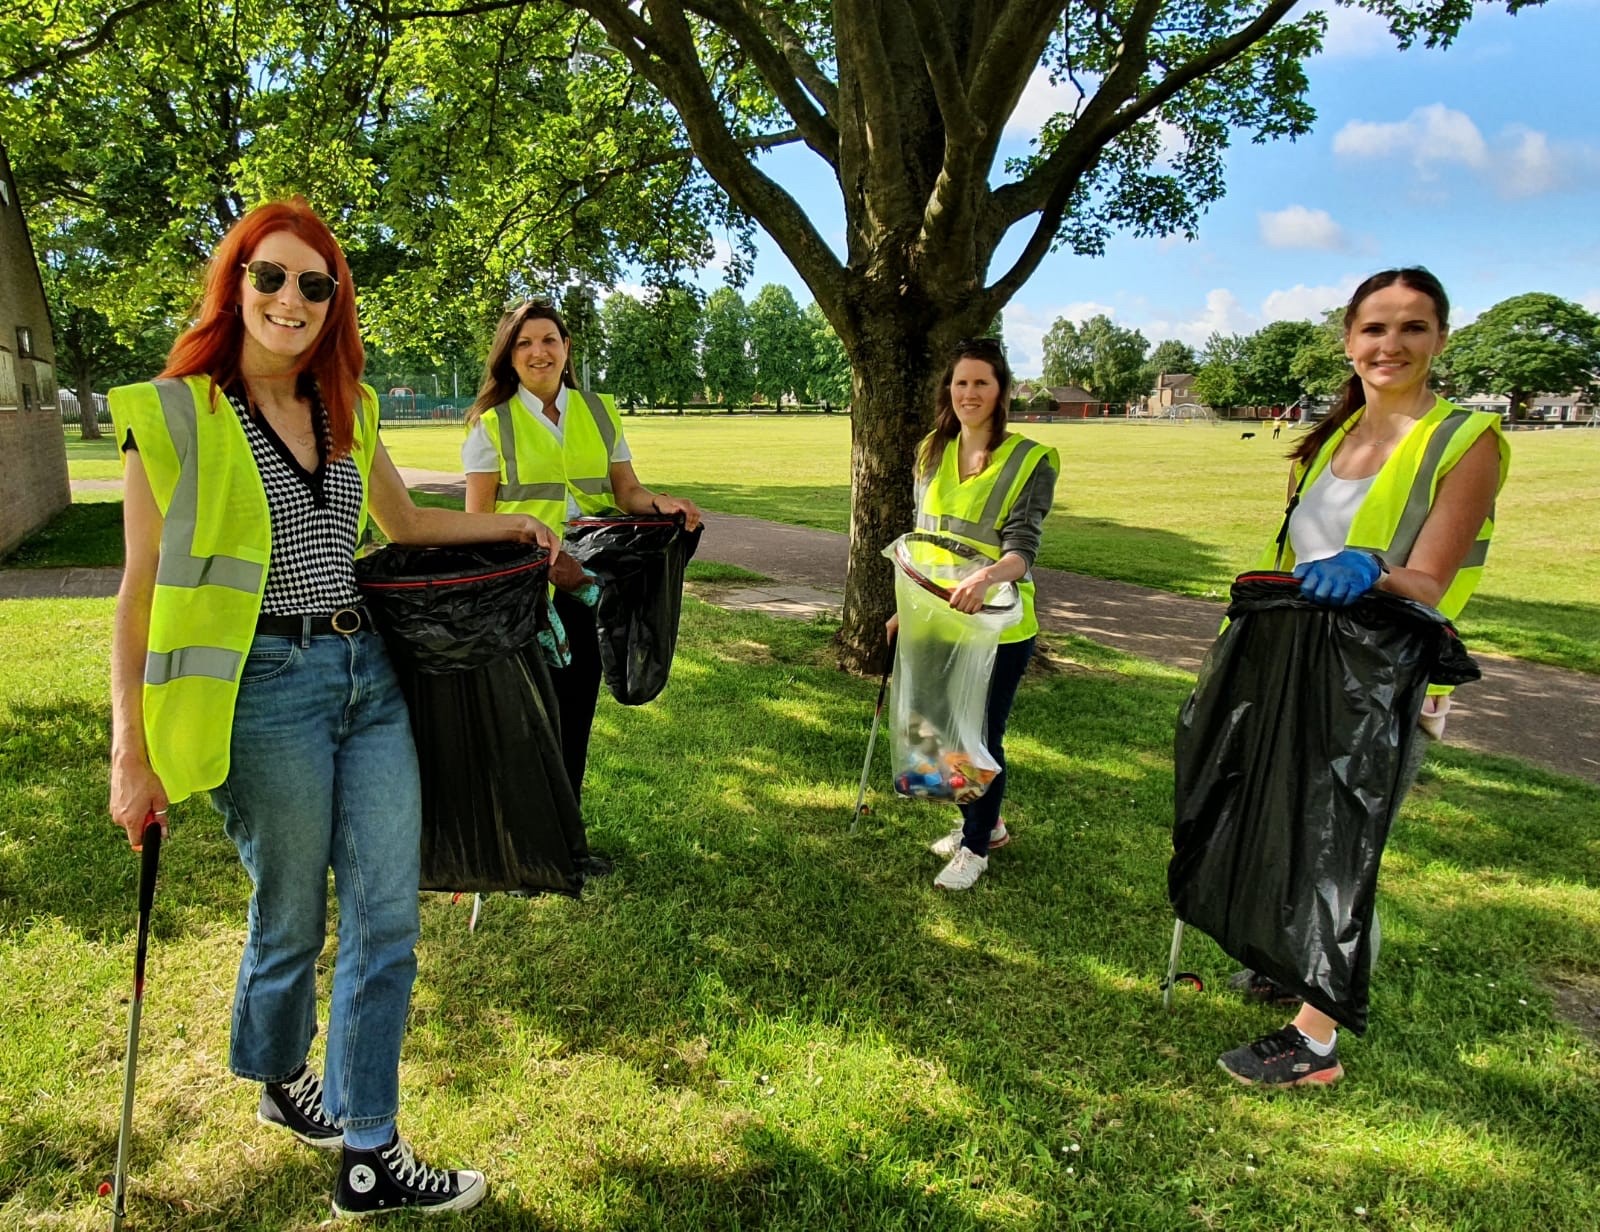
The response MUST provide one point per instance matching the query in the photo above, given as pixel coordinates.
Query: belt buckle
(346, 620)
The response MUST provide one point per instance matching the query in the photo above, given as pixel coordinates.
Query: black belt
(346, 621)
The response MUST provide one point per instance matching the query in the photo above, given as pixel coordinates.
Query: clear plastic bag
(943, 660)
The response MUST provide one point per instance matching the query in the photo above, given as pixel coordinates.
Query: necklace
(303, 439)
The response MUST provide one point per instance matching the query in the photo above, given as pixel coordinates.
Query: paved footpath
(1544, 715)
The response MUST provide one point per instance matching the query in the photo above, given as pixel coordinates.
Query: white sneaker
(945, 847)
(964, 869)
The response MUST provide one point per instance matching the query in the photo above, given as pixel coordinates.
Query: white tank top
(1320, 523)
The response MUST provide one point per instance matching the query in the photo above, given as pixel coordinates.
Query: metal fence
(72, 411)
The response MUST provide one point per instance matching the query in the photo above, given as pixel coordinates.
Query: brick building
(33, 451)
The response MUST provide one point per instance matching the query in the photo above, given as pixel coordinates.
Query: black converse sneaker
(391, 1179)
(296, 1105)
(1282, 1059)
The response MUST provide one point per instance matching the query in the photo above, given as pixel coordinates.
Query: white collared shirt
(479, 455)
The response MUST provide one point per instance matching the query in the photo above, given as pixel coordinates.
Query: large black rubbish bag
(640, 562)
(445, 609)
(498, 812)
(1288, 760)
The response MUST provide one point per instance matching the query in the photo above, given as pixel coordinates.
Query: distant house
(1570, 408)
(1050, 402)
(1172, 389)
(33, 481)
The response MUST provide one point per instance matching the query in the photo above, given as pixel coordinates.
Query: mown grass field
(762, 1022)
(1180, 508)
(1177, 507)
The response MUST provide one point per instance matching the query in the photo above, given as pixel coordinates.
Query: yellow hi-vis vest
(1391, 514)
(537, 471)
(216, 544)
(974, 510)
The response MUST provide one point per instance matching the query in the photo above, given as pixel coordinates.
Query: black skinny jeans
(979, 817)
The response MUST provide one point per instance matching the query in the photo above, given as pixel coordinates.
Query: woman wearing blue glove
(1394, 490)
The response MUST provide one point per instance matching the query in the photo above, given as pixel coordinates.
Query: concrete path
(1541, 714)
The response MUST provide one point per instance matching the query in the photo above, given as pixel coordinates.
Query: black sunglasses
(268, 278)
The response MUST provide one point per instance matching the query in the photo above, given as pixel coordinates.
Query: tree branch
(1049, 188)
(75, 49)
(1104, 119)
(777, 71)
(664, 52)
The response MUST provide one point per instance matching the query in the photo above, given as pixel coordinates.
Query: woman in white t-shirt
(536, 442)
(1394, 490)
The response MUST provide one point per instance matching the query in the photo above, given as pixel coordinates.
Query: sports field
(1179, 507)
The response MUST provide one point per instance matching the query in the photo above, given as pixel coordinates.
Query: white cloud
(1299, 227)
(1591, 300)
(1026, 327)
(1533, 165)
(1303, 303)
(1429, 135)
(1519, 162)
(636, 289)
(1223, 313)
(1040, 100)
(1356, 33)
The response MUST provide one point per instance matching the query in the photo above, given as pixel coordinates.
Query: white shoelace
(306, 1094)
(409, 1172)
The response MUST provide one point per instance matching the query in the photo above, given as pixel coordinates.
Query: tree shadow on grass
(746, 930)
(66, 858)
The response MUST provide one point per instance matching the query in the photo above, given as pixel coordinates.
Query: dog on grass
(1245, 436)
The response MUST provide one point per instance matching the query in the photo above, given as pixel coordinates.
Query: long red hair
(212, 345)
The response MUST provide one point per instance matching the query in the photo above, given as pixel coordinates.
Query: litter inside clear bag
(943, 661)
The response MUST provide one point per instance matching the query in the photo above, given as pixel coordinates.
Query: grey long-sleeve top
(1024, 526)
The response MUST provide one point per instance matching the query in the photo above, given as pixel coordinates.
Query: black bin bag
(1288, 761)
(498, 812)
(640, 562)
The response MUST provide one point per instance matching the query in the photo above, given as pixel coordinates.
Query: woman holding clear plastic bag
(991, 489)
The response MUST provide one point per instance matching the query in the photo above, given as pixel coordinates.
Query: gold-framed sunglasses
(268, 277)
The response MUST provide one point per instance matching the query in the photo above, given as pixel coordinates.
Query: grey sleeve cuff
(1024, 528)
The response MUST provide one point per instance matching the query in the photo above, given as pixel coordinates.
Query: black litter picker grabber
(150, 854)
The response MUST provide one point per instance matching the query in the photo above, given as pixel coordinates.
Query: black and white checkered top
(314, 516)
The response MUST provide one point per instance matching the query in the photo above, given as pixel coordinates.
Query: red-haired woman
(243, 664)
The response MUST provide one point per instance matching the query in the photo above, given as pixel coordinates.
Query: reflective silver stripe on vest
(593, 487)
(597, 408)
(1420, 498)
(212, 661)
(508, 451)
(1476, 555)
(951, 525)
(1002, 486)
(530, 491)
(178, 565)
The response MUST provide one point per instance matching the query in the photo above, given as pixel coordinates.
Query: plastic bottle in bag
(942, 665)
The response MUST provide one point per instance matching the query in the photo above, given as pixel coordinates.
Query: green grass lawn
(760, 1022)
(1180, 508)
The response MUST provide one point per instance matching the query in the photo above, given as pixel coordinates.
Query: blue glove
(1339, 580)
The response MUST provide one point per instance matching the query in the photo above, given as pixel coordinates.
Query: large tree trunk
(88, 421)
(897, 365)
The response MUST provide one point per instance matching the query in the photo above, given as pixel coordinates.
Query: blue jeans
(979, 817)
(324, 775)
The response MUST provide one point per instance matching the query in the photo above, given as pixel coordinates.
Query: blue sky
(1481, 162)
